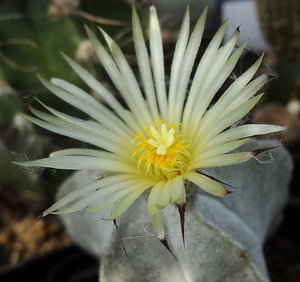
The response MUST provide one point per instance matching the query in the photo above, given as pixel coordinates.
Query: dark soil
(21, 236)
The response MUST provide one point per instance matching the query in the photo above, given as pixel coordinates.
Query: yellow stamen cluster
(163, 154)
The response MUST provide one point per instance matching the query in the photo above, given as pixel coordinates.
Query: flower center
(163, 153)
(162, 140)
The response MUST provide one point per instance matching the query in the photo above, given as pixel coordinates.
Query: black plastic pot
(69, 264)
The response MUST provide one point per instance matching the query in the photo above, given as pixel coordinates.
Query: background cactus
(33, 34)
(280, 23)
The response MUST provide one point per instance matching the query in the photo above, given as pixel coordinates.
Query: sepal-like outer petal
(154, 195)
(157, 222)
(123, 199)
(81, 162)
(221, 160)
(93, 191)
(244, 131)
(206, 184)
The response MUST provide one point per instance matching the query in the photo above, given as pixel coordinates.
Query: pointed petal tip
(111, 218)
(203, 14)
(67, 58)
(89, 32)
(40, 76)
(22, 163)
(47, 212)
(261, 57)
(225, 23)
(37, 219)
(134, 13)
(238, 31)
(54, 80)
(152, 9)
(87, 28)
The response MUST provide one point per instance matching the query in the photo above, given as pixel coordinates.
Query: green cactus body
(280, 23)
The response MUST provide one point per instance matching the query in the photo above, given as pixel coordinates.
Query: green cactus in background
(33, 34)
(280, 23)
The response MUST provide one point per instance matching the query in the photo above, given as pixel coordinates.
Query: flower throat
(162, 152)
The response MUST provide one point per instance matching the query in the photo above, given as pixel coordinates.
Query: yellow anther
(169, 125)
(139, 136)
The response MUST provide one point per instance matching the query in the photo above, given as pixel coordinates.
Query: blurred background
(34, 33)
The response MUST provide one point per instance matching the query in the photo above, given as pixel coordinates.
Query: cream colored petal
(219, 150)
(123, 204)
(213, 127)
(206, 184)
(154, 196)
(176, 67)
(241, 132)
(91, 193)
(182, 198)
(235, 95)
(81, 162)
(221, 160)
(177, 188)
(69, 198)
(136, 188)
(187, 66)
(85, 152)
(108, 97)
(218, 111)
(157, 222)
(209, 91)
(165, 196)
(246, 93)
(87, 104)
(129, 89)
(144, 64)
(91, 126)
(67, 129)
(204, 69)
(157, 61)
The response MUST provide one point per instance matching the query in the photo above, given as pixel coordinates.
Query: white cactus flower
(162, 138)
